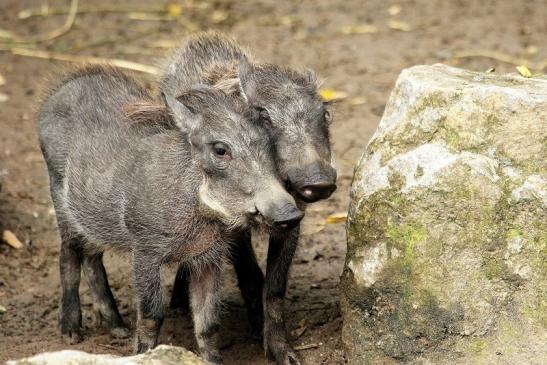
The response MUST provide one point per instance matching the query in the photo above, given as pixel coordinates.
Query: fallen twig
(47, 11)
(319, 226)
(307, 347)
(151, 17)
(129, 65)
(130, 50)
(10, 46)
(311, 309)
(111, 348)
(111, 40)
(501, 57)
(399, 25)
(49, 35)
(163, 43)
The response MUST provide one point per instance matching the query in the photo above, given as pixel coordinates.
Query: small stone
(394, 9)
(163, 354)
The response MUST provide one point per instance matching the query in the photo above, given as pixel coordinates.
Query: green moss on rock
(493, 268)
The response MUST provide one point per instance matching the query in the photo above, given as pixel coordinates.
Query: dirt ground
(363, 64)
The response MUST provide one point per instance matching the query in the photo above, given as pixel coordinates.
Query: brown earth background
(357, 47)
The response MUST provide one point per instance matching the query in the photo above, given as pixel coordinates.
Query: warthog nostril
(289, 220)
(313, 182)
(317, 191)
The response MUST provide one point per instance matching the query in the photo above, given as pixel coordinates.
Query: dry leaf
(148, 16)
(174, 10)
(359, 100)
(11, 239)
(289, 20)
(359, 29)
(532, 49)
(399, 25)
(394, 9)
(24, 14)
(336, 218)
(5, 34)
(3, 98)
(330, 94)
(524, 71)
(2, 80)
(299, 331)
(307, 230)
(218, 16)
(27, 13)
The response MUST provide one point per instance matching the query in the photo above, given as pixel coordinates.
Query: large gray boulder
(447, 227)
(161, 355)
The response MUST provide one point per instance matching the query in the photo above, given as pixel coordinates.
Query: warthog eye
(221, 150)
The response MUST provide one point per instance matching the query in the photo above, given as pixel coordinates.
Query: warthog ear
(247, 80)
(182, 115)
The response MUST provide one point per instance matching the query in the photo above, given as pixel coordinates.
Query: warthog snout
(287, 216)
(314, 183)
(278, 207)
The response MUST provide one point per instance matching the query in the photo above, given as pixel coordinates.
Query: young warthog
(173, 182)
(298, 123)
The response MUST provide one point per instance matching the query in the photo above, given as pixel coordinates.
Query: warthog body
(170, 182)
(297, 120)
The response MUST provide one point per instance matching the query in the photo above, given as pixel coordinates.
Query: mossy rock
(447, 227)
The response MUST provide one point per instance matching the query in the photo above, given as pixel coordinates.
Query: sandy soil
(299, 33)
